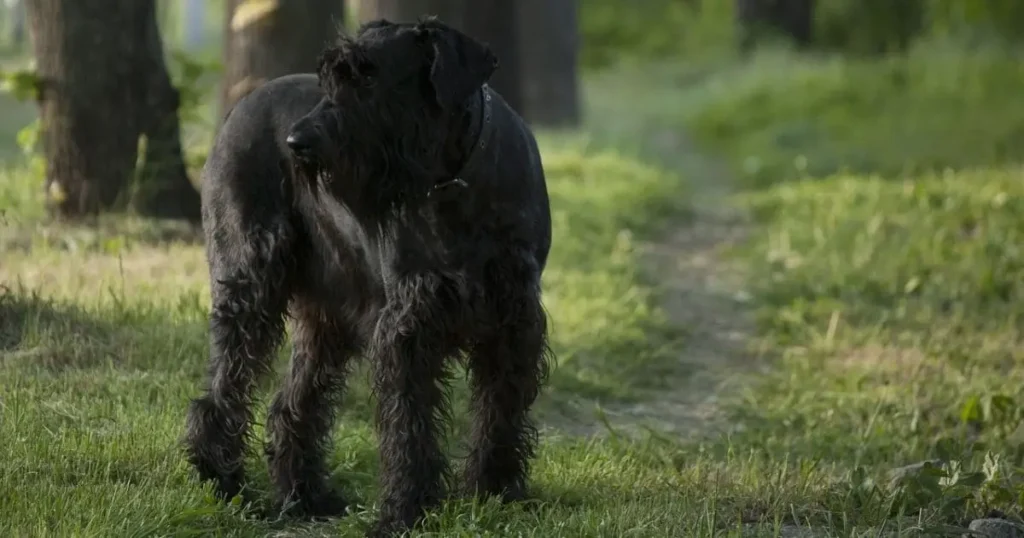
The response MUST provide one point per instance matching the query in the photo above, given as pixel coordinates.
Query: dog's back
(276, 104)
(513, 172)
(249, 151)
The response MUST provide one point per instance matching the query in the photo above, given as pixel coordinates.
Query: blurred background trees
(102, 85)
(266, 39)
(114, 102)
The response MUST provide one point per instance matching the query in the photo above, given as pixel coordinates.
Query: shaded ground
(702, 294)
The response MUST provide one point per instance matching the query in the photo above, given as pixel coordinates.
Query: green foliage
(1004, 18)
(787, 117)
(28, 138)
(28, 141)
(21, 83)
(873, 27)
(613, 30)
(869, 26)
(194, 77)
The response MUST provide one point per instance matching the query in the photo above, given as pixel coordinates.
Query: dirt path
(702, 294)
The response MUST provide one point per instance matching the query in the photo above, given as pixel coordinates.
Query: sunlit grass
(890, 304)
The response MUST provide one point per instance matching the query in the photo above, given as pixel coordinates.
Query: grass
(888, 299)
(104, 341)
(895, 309)
(786, 117)
(906, 295)
(885, 264)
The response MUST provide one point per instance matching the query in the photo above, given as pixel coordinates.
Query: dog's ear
(459, 64)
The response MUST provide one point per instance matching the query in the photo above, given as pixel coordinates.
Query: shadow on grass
(108, 234)
(39, 333)
(23, 314)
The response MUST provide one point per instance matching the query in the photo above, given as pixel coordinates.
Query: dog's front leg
(302, 413)
(410, 352)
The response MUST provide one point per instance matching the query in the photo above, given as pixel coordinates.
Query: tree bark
(550, 79)
(85, 54)
(449, 11)
(287, 39)
(163, 188)
(793, 19)
(496, 22)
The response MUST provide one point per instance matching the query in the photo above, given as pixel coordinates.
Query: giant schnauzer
(392, 205)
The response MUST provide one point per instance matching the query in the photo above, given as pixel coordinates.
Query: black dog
(397, 208)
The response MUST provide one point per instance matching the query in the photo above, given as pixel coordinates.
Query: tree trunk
(163, 188)
(495, 22)
(449, 11)
(85, 54)
(285, 39)
(549, 45)
(793, 19)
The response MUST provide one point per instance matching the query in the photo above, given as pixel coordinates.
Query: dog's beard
(313, 174)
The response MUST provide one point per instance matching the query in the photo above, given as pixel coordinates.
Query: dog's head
(391, 93)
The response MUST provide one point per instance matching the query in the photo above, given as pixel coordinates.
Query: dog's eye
(367, 69)
(344, 71)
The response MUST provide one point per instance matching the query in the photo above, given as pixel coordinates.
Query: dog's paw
(226, 486)
(384, 529)
(329, 504)
(325, 505)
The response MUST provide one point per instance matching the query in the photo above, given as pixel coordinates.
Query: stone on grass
(994, 528)
(897, 475)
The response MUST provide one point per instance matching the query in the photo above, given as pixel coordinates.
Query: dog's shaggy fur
(393, 206)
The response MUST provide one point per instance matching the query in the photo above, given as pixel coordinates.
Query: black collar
(458, 182)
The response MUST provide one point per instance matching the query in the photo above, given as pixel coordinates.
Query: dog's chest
(352, 256)
(363, 260)
(432, 240)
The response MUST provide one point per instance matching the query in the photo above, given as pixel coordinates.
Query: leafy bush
(869, 26)
(1004, 18)
(612, 29)
(881, 26)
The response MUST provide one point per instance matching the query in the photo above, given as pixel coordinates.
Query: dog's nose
(299, 142)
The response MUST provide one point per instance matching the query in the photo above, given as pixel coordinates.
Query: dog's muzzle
(301, 143)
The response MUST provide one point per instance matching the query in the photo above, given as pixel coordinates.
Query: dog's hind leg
(302, 413)
(250, 290)
(507, 367)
